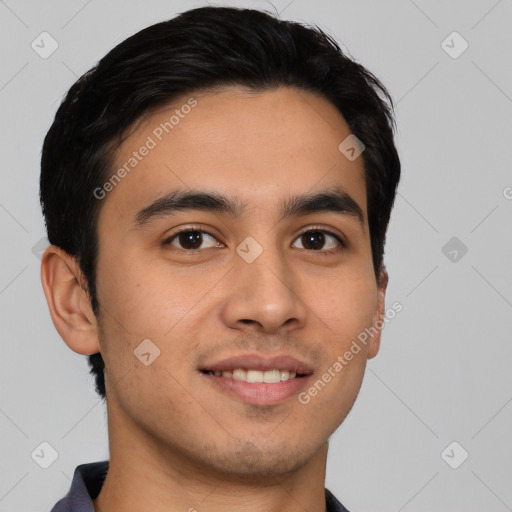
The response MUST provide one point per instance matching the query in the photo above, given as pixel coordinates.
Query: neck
(144, 475)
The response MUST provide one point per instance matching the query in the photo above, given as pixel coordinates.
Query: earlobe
(378, 319)
(68, 301)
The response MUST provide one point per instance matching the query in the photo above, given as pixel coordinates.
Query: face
(233, 245)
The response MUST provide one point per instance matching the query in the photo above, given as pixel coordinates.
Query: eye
(192, 239)
(317, 239)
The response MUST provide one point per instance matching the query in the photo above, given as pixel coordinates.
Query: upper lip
(258, 362)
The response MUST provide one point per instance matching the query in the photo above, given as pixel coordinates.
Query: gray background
(443, 373)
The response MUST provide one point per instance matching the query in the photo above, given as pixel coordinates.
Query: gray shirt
(89, 478)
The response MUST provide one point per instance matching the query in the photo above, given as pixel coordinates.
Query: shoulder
(333, 505)
(85, 486)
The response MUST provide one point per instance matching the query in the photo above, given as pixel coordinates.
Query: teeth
(255, 376)
(240, 374)
(271, 376)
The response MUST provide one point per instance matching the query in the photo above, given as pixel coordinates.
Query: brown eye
(317, 240)
(192, 239)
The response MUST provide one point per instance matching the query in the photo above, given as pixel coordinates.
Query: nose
(263, 296)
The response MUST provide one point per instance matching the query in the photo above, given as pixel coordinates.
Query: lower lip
(259, 393)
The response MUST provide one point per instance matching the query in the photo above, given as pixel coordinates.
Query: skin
(176, 441)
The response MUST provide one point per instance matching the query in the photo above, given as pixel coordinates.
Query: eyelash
(312, 229)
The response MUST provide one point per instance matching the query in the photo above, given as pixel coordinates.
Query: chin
(256, 463)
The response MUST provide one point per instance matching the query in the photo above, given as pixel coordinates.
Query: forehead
(259, 146)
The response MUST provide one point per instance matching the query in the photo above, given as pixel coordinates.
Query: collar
(88, 480)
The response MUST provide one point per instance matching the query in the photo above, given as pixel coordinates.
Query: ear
(68, 300)
(378, 318)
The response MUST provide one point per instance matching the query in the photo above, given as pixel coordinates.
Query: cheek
(155, 400)
(151, 299)
(142, 298)
(346, 304)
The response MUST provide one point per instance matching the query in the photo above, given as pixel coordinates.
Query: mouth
(255, 376)
(256, 380)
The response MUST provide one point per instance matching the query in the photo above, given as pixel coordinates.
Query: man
(217, 192)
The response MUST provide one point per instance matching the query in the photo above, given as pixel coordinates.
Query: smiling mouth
(272, 376)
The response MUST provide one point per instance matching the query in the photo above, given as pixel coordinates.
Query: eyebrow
(334, 199)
